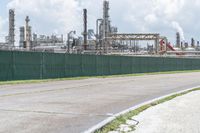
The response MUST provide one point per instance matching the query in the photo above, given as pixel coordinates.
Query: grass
(86, 77)
(113, 125)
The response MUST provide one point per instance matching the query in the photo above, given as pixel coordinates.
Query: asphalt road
(75, 105)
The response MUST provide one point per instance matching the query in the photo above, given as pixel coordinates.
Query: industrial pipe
(68, 40)
(97, 32)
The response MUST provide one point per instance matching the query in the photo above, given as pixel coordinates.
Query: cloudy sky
(130, 16)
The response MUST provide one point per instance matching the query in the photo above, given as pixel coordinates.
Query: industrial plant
(98, 80)
(106, 40)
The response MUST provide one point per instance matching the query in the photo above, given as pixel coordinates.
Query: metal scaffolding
(136, 37)
(133, 37)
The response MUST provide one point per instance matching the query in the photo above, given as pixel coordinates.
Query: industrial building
(105, 40)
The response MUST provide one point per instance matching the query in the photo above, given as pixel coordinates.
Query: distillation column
(27, 34)
(11, 36)
(106, 24)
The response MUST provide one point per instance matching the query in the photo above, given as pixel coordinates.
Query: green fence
(34, 65)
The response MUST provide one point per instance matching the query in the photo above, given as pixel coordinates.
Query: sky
(130, 16)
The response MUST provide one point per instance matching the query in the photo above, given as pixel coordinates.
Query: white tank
(190, 49)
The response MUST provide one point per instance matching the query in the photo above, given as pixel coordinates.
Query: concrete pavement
(75, 105)
(180, 115)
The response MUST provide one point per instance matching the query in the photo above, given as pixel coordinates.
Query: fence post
(41, 65)
(13, 65)
(65, 66)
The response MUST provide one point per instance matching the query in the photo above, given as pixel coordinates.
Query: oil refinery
(105, 40)
(65, 77)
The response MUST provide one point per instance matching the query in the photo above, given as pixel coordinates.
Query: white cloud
(163, 16)
(167, 8)
(152, 11)
(1, 23)
(2, 29)
(63, 15)
(151, 18)
(178, 28)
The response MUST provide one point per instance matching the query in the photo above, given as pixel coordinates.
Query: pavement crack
(54, 90)
(53, 113)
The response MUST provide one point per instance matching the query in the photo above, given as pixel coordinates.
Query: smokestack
(198, 43)
(11, 36)
(182, 45)
(85, 28)
(178, 40)
(192, 42)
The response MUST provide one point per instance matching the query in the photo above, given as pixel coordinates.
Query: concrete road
(75, 105)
